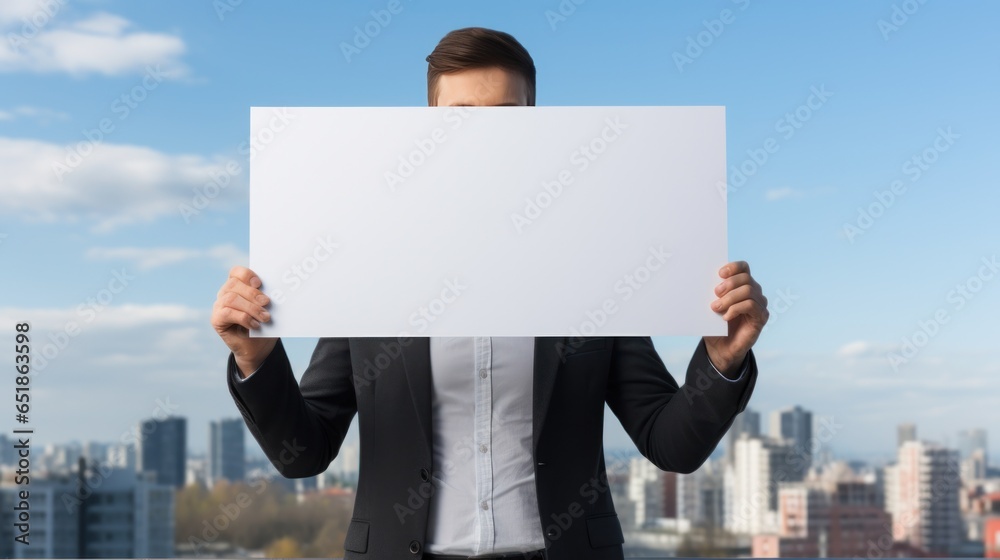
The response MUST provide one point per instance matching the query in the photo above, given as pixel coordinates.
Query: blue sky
(189, 76)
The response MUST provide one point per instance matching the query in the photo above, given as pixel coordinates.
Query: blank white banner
(488, 221)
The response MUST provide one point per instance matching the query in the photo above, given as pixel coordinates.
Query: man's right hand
(239, 307)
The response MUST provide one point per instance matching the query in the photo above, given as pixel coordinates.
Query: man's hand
(239, 307)
(743, 305)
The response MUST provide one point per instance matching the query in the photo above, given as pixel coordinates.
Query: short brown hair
(478, 47)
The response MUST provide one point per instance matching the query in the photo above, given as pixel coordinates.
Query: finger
(246, 275)
(748, 307)
(725, 302)
(733, 268)
(230, 316)
(248, 292)
(734, 282)
(239, 303)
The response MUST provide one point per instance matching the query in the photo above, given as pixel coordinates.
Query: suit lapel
(546, 364)
(417, 364)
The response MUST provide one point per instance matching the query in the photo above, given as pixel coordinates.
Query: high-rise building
(121, 456)
(796, 426)
(700, 496)
(645, 491)
(163, 449)
(225, 450)
(816, 521)
(922, 494)
(751, 485)
(109, 513)
(971, 440)
(905, 433)
(991, 537)
(747, 422)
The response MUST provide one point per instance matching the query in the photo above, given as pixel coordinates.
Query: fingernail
(255, 282)
(716, 304)
(254, 323)
(262, 299)
(265, 316)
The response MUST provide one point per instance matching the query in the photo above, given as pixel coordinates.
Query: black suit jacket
(387, 383)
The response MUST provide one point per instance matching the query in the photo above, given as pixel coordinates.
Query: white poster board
(499, 221)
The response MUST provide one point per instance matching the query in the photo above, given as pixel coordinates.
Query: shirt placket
(483, 372)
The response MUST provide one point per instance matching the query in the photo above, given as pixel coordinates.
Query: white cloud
(39, 39)
(854, 349)
(780, 193)
(112, 184)
(147, 258)
(40, 114)
(112, 372)
(110, 317)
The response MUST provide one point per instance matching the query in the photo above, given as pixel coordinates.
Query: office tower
(904, 433)
(971, 440)
(110, 513)
(751, 488)
(747, 422)
(700, 496)
(922, 494)
(645, 491)
(163, 449)
(225, 450)
(121, 456)
(796, 426)
(816, 520)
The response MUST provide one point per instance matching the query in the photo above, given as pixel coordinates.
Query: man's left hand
(743, 305)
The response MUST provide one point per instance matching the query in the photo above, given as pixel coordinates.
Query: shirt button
(482, 448)
(484, 505)
(482, 373)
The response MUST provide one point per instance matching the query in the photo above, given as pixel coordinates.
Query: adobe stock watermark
(422, 318)
(122, 106)
(220, 180)
(959, 297)
(94, 477)
(87, 312)
(793, 465)
(299, 272)
(625, 288)
(365, 33)
(225, 7)
(33, 24)
(787, 126)
(899, 16)
(589, 492)
(257, 480)
(579, 161)
(562, 12)
(913, 168)
(453, 118)
(696, 43)
(780, 302)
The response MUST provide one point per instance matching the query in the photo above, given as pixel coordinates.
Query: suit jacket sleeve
(676, 428)
(300, 426)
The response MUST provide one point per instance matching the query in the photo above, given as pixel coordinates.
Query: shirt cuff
(239, 379)
(743, 370)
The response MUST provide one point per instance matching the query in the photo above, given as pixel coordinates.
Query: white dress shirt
(484, 497)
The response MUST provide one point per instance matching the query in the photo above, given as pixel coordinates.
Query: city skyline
(880, 272)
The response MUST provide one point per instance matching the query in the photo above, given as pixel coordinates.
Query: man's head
(480, 67)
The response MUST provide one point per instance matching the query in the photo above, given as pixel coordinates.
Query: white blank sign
(488, 221)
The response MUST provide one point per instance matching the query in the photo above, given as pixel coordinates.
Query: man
(486, 447)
